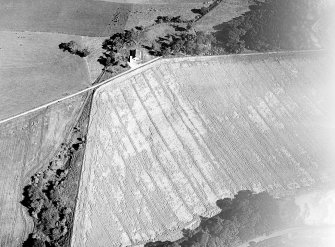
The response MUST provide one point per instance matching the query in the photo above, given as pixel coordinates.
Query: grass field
(26, 145)
(164, 143)
(34, 71)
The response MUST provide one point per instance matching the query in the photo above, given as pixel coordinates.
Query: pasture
(26, 146)
(34, 71)
(167, 141)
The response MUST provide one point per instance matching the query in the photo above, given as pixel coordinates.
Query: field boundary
(175, 59)
(79, 92)
(182, 58)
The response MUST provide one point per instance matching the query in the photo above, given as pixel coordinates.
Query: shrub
(73, 48)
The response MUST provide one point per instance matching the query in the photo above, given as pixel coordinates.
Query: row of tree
(242, 218)
(269, 25)
(47, 200)
(187, 43)
(73, 48)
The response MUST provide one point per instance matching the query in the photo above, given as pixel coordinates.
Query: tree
(33, 242)
(272, 25)
(73, 48)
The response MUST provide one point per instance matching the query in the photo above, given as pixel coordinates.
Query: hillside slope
(165, 142)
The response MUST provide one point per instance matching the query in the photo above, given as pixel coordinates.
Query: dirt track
(164, 144)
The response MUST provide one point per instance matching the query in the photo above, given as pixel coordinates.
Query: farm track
(165, 142)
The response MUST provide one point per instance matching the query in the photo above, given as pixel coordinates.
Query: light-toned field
(26, 146)
(225, 11)
(34, 71)
(165, 142)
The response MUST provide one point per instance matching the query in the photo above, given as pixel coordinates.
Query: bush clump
(187, 43)
(74, 48)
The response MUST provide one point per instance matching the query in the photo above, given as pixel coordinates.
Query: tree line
(242, 218)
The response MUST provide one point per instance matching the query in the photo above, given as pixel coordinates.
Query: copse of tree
(187, 43)
(170, 19)
(271, 25)
(73, 48)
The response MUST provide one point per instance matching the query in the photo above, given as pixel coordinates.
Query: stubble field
(166, 142)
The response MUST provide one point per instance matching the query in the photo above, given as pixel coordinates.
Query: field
(75, 17)
(26, 146)
(35, 71)
(165, 142)
(94, 45)
(84, 17)
(143, 14)
(225, 11)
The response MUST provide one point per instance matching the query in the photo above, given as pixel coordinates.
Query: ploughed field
(166, 141)
(27, 144)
